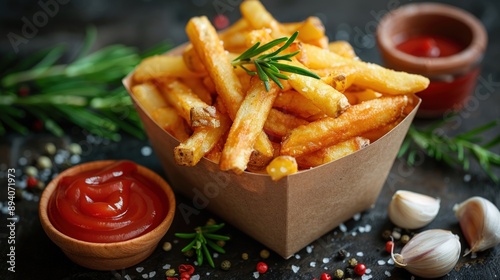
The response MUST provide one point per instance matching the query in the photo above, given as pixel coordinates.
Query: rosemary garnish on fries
(267, 65)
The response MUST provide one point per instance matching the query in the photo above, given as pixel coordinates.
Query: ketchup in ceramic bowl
(439, 41)
(107, 205)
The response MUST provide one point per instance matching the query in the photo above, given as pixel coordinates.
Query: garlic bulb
(480, 223)
(429, 254)
(412, 210)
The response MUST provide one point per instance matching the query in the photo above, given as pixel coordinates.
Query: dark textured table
(144, 23)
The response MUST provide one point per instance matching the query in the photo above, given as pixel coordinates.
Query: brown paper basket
(288, 214)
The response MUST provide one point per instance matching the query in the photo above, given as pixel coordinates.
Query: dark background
(146, 23)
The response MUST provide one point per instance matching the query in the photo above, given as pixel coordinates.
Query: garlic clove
(430, 254)
(480, 223)
(411, 210)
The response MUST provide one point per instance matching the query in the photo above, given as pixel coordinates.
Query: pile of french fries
(222, 113)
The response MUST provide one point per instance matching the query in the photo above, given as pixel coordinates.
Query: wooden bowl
(113, 255)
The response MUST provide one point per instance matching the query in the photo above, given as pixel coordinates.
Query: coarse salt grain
(309, 249)
(387, 273)
(167, 266)
(152, 274)
(342, 227)
(368, 271)
(312, 264)
(368, 228)
(366, 277)
(215, 255)
(357, 216)
(326, 260)
(146, 151)
(256, 275)
(127, 277)
(139, 269)
(297, 256)
(381, 262)
(195, 277)
(390, 261)
(359, 254)
(144, 276)
(295, 268)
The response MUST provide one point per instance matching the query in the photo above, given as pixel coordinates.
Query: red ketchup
(445, 92)
(107, 205)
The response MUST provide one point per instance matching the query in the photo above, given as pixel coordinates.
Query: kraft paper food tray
(288, 214)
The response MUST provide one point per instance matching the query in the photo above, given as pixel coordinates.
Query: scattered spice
(186, 268)
(31, 182)
(339, 274)
(342, 254)
(244, 256)
(221, 243)
(50, 149)
(189, 253)
(170, 272)
(360, 269)
(44, 162)
(167, 246)
(405, 238)
(264, 253)
(352, 262)
(386, 235)
(388, 246)
(325, 276)
(262, 267)
(225, 265)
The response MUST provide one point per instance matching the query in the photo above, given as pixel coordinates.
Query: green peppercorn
(352, 262)
(44, 162)
(405, 238)
(339, 274)
(75, 149)
(189, 253)
(170, 272)
(225, 265)
(167, 246)
(264, 254)
(31, 171)
(50, 149)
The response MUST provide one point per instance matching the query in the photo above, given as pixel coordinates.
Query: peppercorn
(261, 267)
(189, 253)
(352, 262)
(386, 234)
(211, 222)
(75, 149)
(244, 256)
(360, 269)
(31, 182)
(50, 149)
(349, 271)
(339, 274)
(44, 162)
(264, 254)
(221, 243)
(342, 254)
(170, 272)
(31, 171)
(405, 238)
(325, 276)
(167, 246)
(225, 265)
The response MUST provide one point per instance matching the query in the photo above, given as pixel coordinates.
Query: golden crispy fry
(278, 124)
(148, 97)
(375, 134)
(368, 75)
(341, 77)
(282, 166)
(211, 52)
(168, 119)
(192, 61)
(293, 102)
(180, 97)
(329, 100)
(312, 29)
(342, 48)
(198, 88)
(161, 66)
(200, 143)
(247, 125)
(356, 120)
(332, 153)
(258, 17)
(362, 95)
(204, 116)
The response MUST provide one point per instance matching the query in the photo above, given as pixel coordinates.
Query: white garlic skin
(411, 210)
(430, 254)
(480, 223)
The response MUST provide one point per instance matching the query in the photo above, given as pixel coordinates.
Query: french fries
(225, 113)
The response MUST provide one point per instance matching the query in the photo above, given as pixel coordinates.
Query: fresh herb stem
(201, 238)
(267, 65)
(454, 151)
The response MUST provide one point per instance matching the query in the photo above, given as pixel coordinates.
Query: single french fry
(311, 29)
(180, 96)
(375, 134)
(282, 166)
(295, 103)
(198, 88)
(363, 95)
(148, 97)
(342, 48)
(329, 100)
(192, 61)
(355, 121)
(258, 17)
(332, 153)
(368, 75)
(204, 116)
(160, 66)
(203, 139)
(168, 119)
(278, 124)
(247, 125)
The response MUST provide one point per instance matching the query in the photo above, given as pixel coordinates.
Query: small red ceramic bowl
(108, 255)
(429, 30)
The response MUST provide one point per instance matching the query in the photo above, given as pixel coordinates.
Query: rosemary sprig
(204, 237)
(454, 151)
(268, 65)
(86, 91)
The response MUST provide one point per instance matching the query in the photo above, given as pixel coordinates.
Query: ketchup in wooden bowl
(439, 41)
(107, 215)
